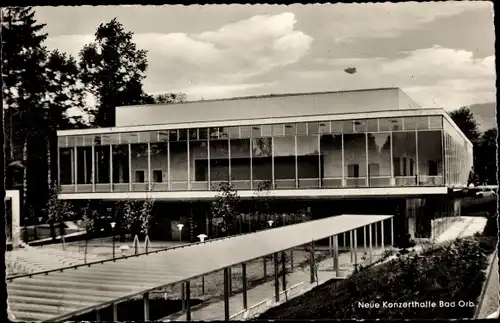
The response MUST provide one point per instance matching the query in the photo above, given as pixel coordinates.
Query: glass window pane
(193, 134)
(302, 128)
(347, 126)
(256, 131)
(84, 164)
(266, 130)
(278, 129)
(240, 163)
(384, 124)
(336, 126)
(102, 166)
(284, 162)
(308, 170)
(203, 133)
(312, 128)
(410, 123)
(121, 166)
(198, 154)
(219, 162)
(261, 160)
(372, 125)
(436, 122)
(324, 127)
(245, 132)
(289, 129)
(234, 132)
(223, 133)
(355, 162)
(359, 126)
(396, 123)
(379, 159)
(404, 158)
(430, 158)
(173, 135)
(66, 166)
(422, 122)
(331, 161)
(179, 165)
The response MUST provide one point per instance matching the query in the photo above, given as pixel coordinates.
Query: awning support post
(276, 279)
(350, 246)
(370, 238)
(312, 264)
(188, 301)
(392, 231)
(336, 255)
(291, 259)
(146, 306)
(364, 239)
(115, 312)
(226, 294)
(283, 269)
(382, 243)
(244, 277)
(355, 246)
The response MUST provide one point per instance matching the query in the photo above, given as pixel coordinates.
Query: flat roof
(60, 296)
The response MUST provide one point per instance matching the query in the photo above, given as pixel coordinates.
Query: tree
(145, 215)
(169, 98)
(464, 119)
(88, 220)
(486, 157)
(224, 207)
(112, 69)
(57, 212)
(263, 202)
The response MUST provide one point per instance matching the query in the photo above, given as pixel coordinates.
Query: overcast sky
(441, 54)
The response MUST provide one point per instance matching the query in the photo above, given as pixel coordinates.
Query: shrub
(451, 272)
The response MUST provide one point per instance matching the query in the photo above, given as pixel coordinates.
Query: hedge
(450, 273)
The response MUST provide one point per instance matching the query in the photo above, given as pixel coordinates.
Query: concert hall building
(372, 151)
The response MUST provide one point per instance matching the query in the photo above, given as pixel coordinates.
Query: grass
(451, 273)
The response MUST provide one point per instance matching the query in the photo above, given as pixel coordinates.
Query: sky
(441, 54)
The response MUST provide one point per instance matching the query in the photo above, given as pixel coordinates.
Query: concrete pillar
(115, 312)
(230, 279)
(264, 262)
(312, 264)
(364, 239)
(336, 255)
(370, 239)
(244, 278)
(283, 269)
(183, 298)
(291, 259)
(350, 246)
(376, 234)
(188, 301)
(355, 246)
(382, 243)
(146, 307)
(276, 279)
(392, 231)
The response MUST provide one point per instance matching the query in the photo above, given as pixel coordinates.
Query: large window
(262, 168)
(121, 170)
(179, 165)
(379, 159)
(240, 163)
(139, 167)
(102, 168)
(219, 162)
(66, 166)
(84, 168)
(355, 163)
(308, 162)
(430, 158)
(284, 162)
(199, 164)
(404, 152)
(159, 165)
(331, 160)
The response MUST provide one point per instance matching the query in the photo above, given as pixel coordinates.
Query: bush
(453, 272)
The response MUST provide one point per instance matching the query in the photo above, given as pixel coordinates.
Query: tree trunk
(49, 165)
(25, 173)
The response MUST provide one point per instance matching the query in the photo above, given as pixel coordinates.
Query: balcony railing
(301, 183)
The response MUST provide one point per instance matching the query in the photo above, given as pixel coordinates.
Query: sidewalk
(490, 300)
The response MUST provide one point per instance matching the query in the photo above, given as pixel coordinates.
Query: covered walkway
(61, 295)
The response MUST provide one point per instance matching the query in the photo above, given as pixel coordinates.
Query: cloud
(389, 20)
(433, 76)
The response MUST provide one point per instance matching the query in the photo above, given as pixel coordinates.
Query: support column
(15, 226)
(98, 315)
(130, 179)
(244, 277)
(188, 300)
(336, 255)
(265, 266)
(149, 167)
(75, 168)
(92, 174)
(115, 312)
(376, 234)
(283, 269)
(111, 168)
(382, 235)
(226, 294)
(364, 239)
(350, 246)
(355, 246)
(230, 280)
(183, 298)
(370, 238)
(312, 265)
(276, 279)
(291, 259)
(330, 249)
(343, 240)
(146, 306)
(392, 231)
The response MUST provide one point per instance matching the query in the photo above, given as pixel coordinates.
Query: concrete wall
(266, 107)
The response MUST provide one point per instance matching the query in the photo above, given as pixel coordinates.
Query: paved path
(490, 301)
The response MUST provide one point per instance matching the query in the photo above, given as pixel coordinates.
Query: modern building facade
(334, 146)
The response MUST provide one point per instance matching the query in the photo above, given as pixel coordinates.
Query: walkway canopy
(61, 295)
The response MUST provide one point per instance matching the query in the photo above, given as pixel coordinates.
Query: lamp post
(284, 219)
(113, 233)
(202, 237)
(180, 226)
(270, 222)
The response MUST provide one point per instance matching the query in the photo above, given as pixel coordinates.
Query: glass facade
(384, 152)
